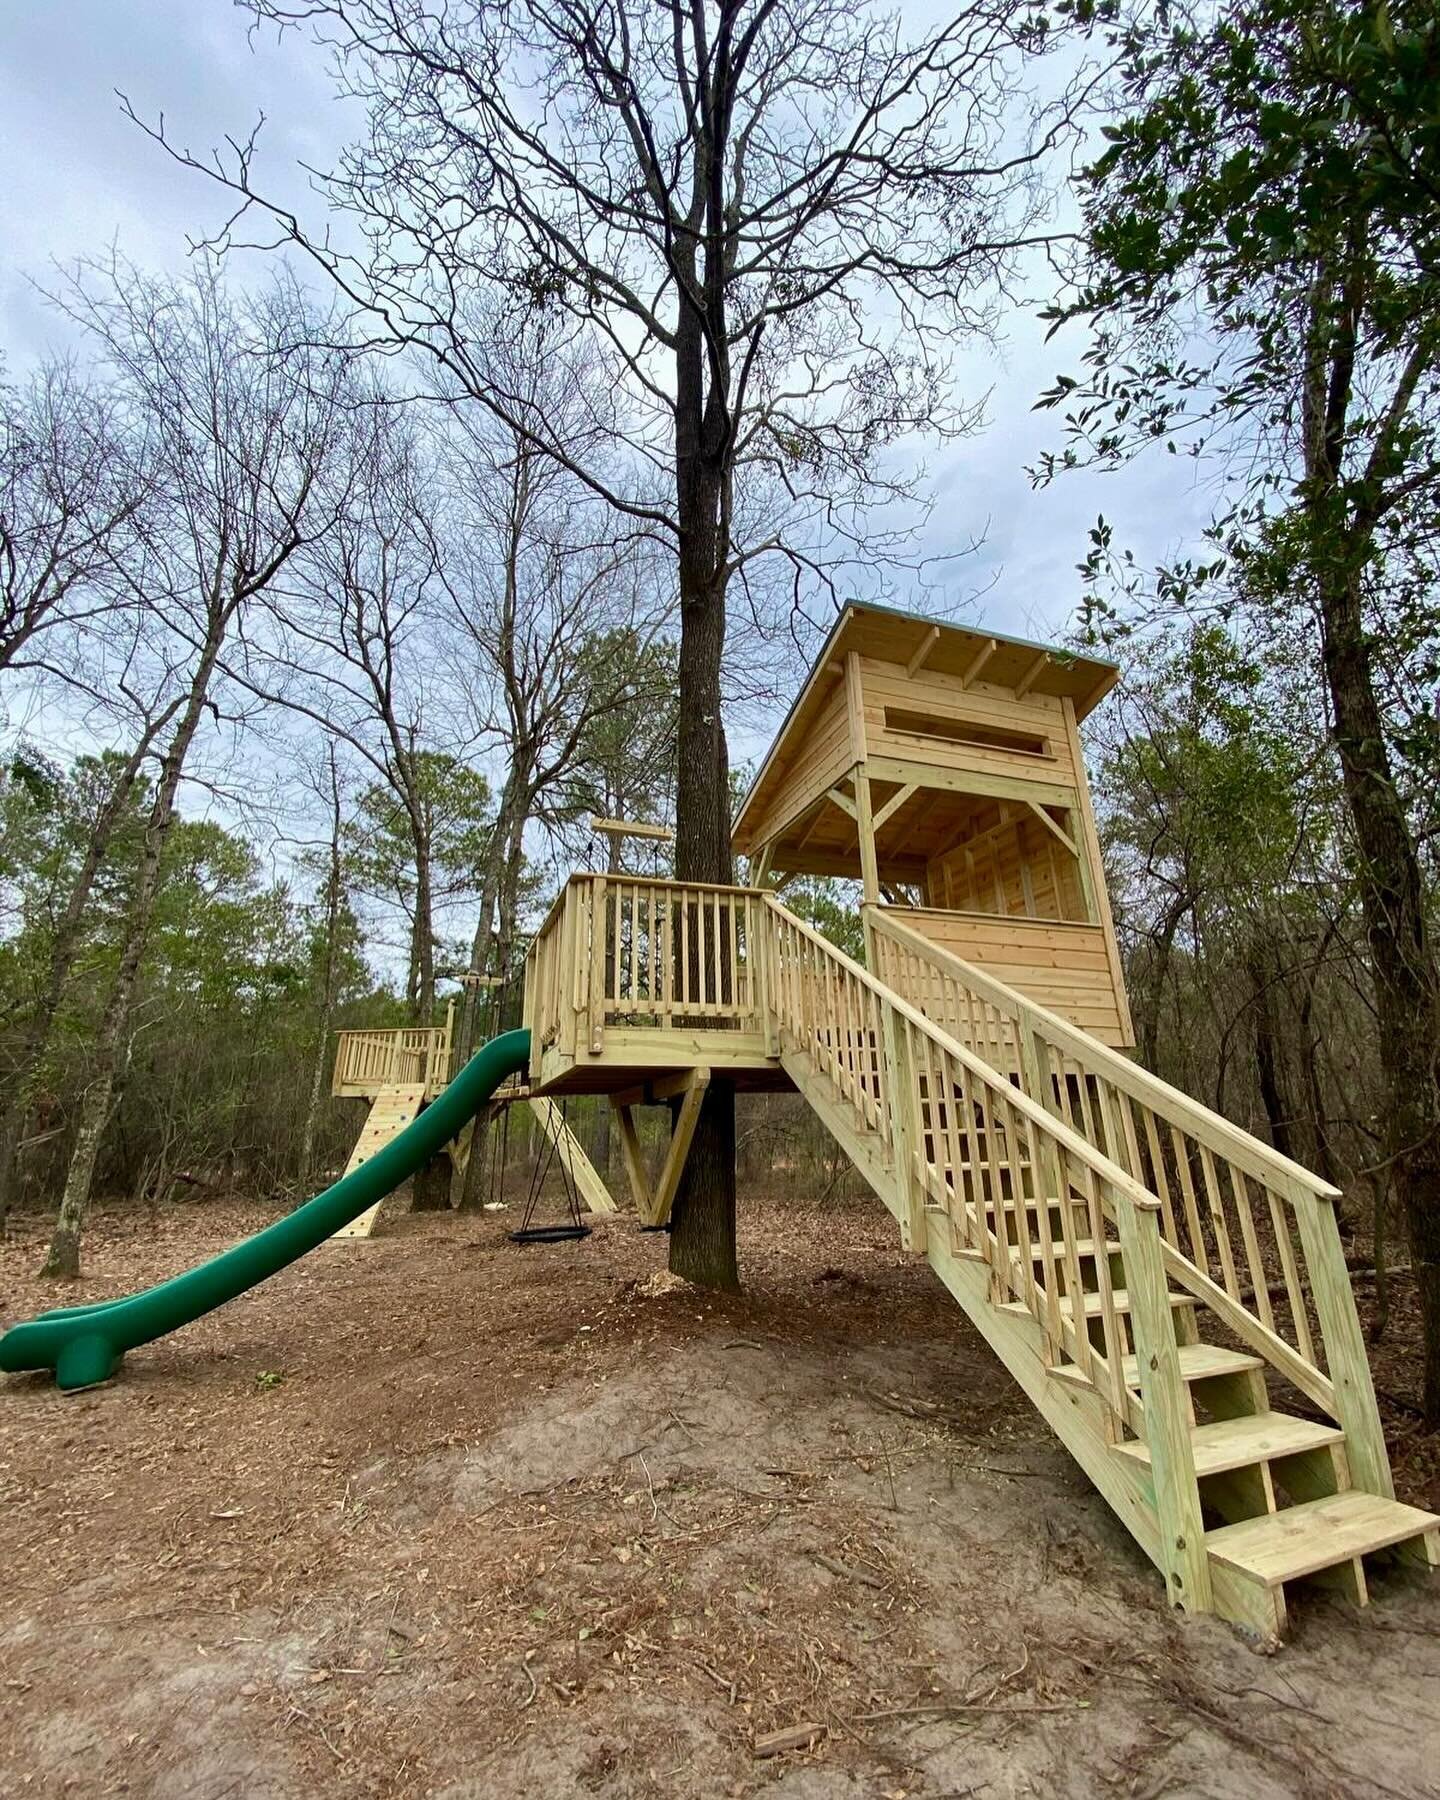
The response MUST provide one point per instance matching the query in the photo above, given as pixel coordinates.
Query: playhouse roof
(888, 635)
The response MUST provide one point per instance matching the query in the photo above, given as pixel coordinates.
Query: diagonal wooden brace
(653, 1206)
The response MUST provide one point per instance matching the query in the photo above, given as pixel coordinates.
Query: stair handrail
(1344, 1387)
(1135, 1077)
(1079, 1147)
(938, 1104)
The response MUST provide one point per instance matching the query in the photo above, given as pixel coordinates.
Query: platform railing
(643, 954)
(410, 1056)
(1247, 1230)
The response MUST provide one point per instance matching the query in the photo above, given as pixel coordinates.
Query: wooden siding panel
(817, 765)
(1064, 967)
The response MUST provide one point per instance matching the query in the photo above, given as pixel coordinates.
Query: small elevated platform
(631, 981)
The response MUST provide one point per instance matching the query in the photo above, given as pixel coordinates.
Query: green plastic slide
(86, 1344)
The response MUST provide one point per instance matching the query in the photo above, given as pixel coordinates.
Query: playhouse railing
(1245, 1229)
(642, 954)
(366, 1061)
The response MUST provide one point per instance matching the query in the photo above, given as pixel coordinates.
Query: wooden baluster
(1258, 1279)
(990, 1127)
(1198, 1252)
(1160, 1185)
(1049, 1269)
(1112, 1332)
(1280, 1224)
(955, 1119)
(1217, 1219)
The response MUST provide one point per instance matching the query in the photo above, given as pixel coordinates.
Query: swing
(530, 1233)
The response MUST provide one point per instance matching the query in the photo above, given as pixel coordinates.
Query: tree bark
(1392, 900)
(63, 1260)
(320, 1057)
(1267, 1057)
(702, 1237)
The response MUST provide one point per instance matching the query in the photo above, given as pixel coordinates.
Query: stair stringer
(1074, 1413)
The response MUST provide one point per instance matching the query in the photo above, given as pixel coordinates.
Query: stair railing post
(1345, 1355)
(598, 948)
(903, 1097)
(1181, 1531)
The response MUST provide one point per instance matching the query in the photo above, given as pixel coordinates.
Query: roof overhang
(887, 635)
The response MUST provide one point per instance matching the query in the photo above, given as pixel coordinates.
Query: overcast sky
(74, 175)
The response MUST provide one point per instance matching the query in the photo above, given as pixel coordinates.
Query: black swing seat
(549, 1234)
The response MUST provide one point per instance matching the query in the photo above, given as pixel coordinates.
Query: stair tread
(1301, 1540)
(1083, 1247)
(1198, 1362)
(1239, 1443)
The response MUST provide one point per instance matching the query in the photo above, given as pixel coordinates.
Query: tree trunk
(63, 1260)
(320, 1057)
(35, 1038)
(504, 898)
(702, 1237)
(1155, 986)
(1392, 899)
(1267, 1056)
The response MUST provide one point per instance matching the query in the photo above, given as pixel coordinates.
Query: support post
(1181, 1531)
(578, 1166)
(869, 866)
(654, 1207)
(1345, 1354)
(597, 965)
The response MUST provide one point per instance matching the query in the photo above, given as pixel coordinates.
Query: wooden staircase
(1169, 1292)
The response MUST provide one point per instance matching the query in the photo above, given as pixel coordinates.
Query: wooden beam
(1032, 675)
(630, 1154)
(927, 644)
(636, 828)
(655, 1092)
(961, 842)
(1050, 825)
(760, 864)
(843, 801)
(836, 862)
(893, 805)
(805, 835)
(869, 868)
(978, 661)
(971, 781)
(578, 1166)
(681, 1139)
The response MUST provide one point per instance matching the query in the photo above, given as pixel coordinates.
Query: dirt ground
(438, 1515)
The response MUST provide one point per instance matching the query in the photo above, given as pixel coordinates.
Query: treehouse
(1154, 1277)
(941, 768)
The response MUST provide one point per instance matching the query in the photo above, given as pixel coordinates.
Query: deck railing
(1251, 1233)
(646, 954)
(366, 1061)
